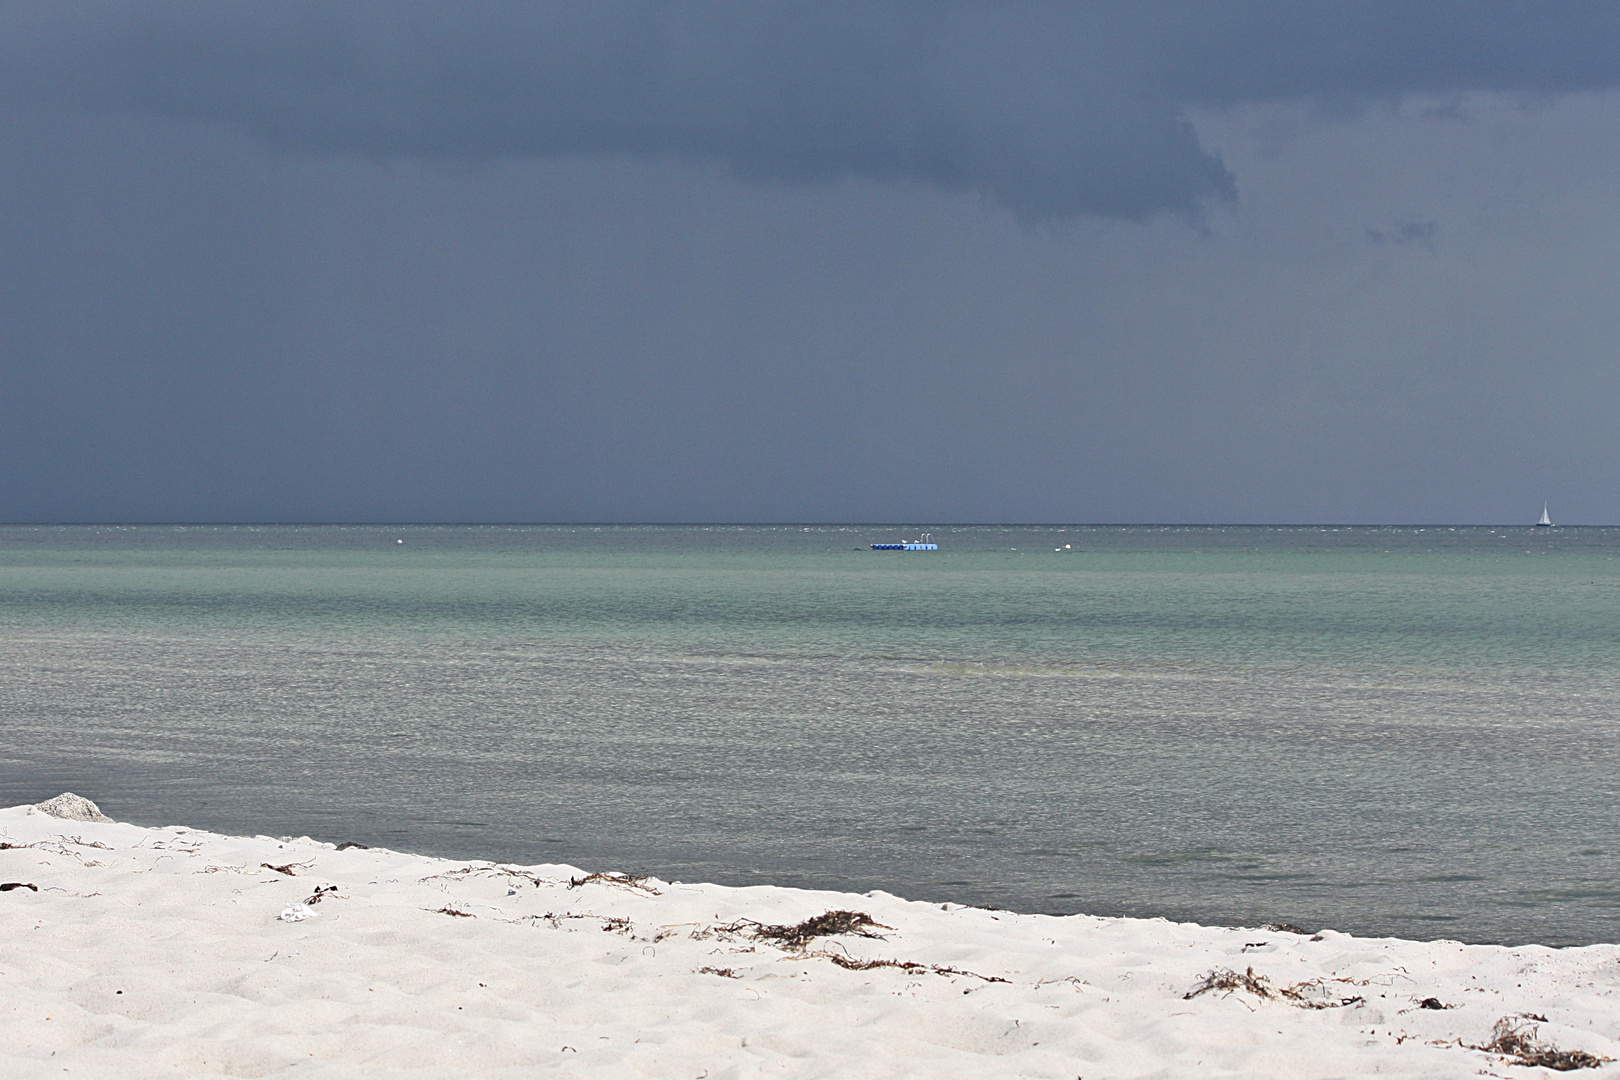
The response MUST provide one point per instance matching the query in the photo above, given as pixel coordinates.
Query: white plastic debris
(297, 913)
(72, 807)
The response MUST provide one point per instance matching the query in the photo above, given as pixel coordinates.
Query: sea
(1408, 731)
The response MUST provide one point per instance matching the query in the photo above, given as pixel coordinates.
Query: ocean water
(1399, 731)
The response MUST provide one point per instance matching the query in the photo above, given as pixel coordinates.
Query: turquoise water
(1395, 731)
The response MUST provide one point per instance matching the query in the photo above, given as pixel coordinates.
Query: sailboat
(1545, 520)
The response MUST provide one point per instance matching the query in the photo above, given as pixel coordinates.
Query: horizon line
(804, 524)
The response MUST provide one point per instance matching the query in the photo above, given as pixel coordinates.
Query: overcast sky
(752, 261)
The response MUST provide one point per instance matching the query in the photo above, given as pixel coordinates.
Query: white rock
(72, 807)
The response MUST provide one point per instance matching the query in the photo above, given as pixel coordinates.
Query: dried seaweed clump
(833, 924)
(1311, 994)
(827, 924)
(625, 881)
(1227, 979)
(320, 893)
(496, 870)
(611, 923)
(290, 869)
(1516, 1037)
(910, 967)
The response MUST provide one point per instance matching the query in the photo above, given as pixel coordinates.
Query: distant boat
(1545, 520)
(925, 542)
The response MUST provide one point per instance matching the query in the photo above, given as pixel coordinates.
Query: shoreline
(171, 951)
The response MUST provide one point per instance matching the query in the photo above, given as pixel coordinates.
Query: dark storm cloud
(430, 261)
(1051, 110)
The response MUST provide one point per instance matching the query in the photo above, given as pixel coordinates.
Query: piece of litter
(296, 913)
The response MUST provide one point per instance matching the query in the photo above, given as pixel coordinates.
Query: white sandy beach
(172, 952)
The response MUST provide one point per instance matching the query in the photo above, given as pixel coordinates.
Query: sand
(173, 952)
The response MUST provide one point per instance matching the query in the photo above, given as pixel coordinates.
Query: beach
(136, 952)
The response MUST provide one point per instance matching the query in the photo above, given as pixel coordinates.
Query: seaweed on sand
(1227, 979)
(290, 869)
(1286, 928)
(1310, 994)
(499, 870)
(624, 881)
(611, 923)
(1516, 1037)
(827, 924)
(835, 924)
(910, 967)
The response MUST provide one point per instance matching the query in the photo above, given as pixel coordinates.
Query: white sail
(1545, 520)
